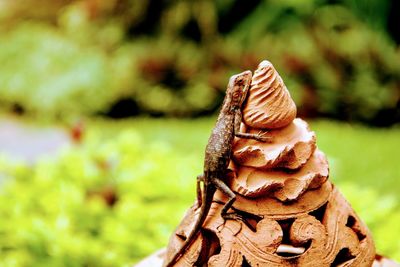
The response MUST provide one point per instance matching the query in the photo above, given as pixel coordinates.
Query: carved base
(156, 259)
(319, 228)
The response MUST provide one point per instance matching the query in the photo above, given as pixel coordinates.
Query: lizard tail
(205, 207)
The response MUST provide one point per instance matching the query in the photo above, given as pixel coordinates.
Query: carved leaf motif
(249, 244)
(321, 230)
(273, 208)
(291, 147)
(177, 239)
(285, 186)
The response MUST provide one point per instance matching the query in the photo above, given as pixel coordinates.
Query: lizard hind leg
(232, 198)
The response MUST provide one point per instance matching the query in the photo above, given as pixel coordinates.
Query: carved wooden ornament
(291, 215)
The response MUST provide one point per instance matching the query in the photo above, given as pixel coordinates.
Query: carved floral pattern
(328, 232)
(291, 147)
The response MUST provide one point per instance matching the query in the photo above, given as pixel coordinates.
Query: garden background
(106, 107)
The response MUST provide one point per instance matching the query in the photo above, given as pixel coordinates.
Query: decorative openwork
(291, 215)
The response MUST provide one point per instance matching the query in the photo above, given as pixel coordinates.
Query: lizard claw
(227, 216)
(222, 225)
(263, 137)
(232, 216)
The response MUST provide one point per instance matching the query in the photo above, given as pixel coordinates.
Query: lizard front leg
(260, 136)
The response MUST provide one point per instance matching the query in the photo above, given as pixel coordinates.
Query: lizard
(218, 154)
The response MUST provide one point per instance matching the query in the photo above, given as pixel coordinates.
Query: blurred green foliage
(173, 58)
(118, 196)
(102, 204)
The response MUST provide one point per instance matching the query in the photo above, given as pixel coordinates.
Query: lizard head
(238, 86)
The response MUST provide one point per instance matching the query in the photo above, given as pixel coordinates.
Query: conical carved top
(269, 104)
(290, 164)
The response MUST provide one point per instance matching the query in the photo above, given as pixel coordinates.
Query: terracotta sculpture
(292, 214)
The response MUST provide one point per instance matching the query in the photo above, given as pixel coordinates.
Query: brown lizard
(217, 156)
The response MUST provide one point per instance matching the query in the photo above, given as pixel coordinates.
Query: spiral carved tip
(269, 104)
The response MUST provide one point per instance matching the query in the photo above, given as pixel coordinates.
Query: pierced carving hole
(209, 247)
(343, 256)
(351, 221)
(245, 263)
(352, 224)
(285, 225)
(286, 248)
(319, 213)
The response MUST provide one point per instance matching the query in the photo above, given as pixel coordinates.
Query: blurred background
(106, 107)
